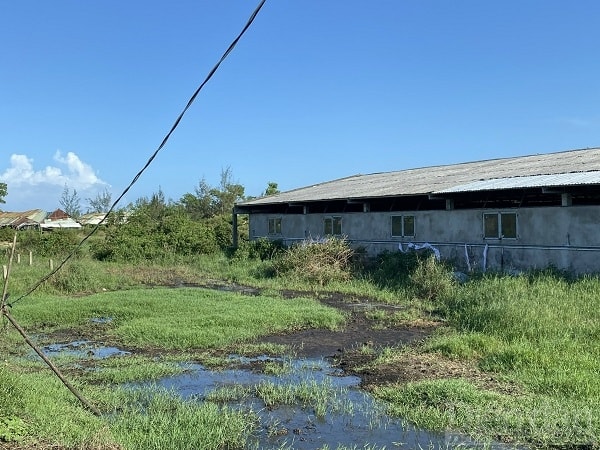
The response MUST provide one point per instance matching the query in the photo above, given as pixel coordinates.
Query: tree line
(206, 200)
(155, 228)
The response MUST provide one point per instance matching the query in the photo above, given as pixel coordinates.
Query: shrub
(49, 243)
(392, 269)
(163, 238)
(316, 261)
(75, 277)
(7, 234)
(223, 230)
(431, 279)
(261, 248)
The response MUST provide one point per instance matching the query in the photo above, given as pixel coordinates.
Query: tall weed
(431, 279)
(316, 261)
(544, 328)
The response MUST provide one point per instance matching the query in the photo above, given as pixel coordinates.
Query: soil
(356, 346)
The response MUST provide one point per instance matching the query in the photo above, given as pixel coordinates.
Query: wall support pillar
(234, 228)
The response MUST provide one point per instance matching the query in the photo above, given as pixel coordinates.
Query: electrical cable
(152, 157)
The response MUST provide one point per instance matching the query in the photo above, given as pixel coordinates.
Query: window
(275, 225)
(500, 225)
(403, 226)
(332, 226)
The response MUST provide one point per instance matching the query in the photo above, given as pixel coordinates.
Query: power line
(160, 147)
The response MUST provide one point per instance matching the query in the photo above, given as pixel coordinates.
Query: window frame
(403, 222)
(499, 225)
(276, 227)
(335, 223)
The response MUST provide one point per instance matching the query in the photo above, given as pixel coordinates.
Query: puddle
(101, 320)
(82, 349)
(339, 415)
(352, 417)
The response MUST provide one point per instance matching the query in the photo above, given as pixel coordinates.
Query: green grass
(539, 332)
(178, 319)
(318, 397)
(127, 369)
(542, 330)
(156, 420)
(36, 407)
(182, 323)
(543, 421)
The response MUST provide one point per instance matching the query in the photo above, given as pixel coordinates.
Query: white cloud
(80, 173)
(28, 186)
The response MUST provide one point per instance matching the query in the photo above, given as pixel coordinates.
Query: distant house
(91, 218)
(59, 219)
(22, 220)
(513, 213)
(58, 214)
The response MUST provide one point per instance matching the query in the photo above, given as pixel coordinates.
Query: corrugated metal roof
(91, 218)
(428, 180)
(557, 180)
(18, 218)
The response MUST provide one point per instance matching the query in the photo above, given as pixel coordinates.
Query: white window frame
(403, 232)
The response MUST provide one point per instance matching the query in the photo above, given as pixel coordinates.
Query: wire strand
(152, 157)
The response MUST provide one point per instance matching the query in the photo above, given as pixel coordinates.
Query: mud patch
(348, 346)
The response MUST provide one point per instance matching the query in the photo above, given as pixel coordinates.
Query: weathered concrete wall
(564, 237)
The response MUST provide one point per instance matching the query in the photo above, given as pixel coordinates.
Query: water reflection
(82, 349)
(353, 419)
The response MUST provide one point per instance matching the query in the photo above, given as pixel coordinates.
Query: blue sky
(316, 90)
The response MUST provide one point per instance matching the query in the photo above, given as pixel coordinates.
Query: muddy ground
(353, 348)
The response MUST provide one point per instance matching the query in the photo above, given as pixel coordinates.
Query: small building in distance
(59, 219)
(22, 220)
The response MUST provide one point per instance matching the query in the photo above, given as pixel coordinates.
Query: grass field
(536, 335)
(540, 334)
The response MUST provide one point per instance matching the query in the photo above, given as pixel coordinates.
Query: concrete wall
(564, 237)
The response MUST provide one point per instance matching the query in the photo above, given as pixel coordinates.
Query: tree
(3, 192)
(228, 192)
(70, 202)
(101, 203)
(211, 201)
(154, 207)
(271, 189)
(200, 205)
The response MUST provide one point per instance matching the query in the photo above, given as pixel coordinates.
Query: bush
(75, 277)
(163, 238)
(316, 261)
(392, 269)
(223, 230)
(419, 272)
(431, 279)
(261, 248)
(7, 234)
(48, 243)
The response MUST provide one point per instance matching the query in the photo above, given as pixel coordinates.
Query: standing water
(307, 404)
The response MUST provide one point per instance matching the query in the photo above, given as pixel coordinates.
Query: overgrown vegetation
(320, 262)
(540, 334)
(536, 336)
